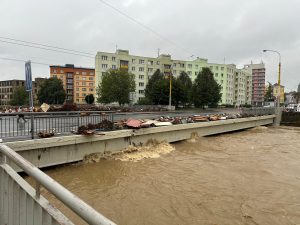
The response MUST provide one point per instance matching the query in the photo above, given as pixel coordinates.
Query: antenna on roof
(158, 52)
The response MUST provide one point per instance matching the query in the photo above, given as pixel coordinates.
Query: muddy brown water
(249, 177)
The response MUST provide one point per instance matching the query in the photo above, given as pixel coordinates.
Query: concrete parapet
(67, 149)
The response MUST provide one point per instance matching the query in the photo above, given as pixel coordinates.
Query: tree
(182, 89)
(52, 92)
(157, 89)
(206, 91)
(269, 94)
(90, 99)
(20, 96)
(115, 86)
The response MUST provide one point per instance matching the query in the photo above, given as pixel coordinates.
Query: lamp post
(170, 89)
(279, 87)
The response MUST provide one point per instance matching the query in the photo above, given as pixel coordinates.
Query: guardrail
(26, 124)
(257, 111)
(14, 208)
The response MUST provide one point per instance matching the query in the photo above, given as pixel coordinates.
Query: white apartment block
(143, 67)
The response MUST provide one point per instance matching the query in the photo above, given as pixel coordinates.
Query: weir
(68, 149)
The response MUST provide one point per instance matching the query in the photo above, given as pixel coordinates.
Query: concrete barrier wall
(66, 149)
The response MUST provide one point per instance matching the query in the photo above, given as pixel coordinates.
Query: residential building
(78, 82)
(258, 82)
(276, 89)
(144, 67)
(7, 88)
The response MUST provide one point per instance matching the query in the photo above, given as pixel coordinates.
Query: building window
(77, 77)
(83, 78)
(113, 58)
(133, 68)
(141, 84)
(104, 66)
(150, 62)
(196, 66)
(133, 61)
(77, 94)
(141, 76)
(216, 74)
(189, 73)
(141, 91)
(222, 68)
(141, 69)
(114, 67)
(91, 73)
(83, 94)
(190, 66)
(77, 89)
(77, 72)
(217, 68)
(91, 84)
(150, 70)
(158, 63)
(77, 83)
(104, 57)
(91, 89)
(54, 71)
(83, 83)
(61, 71)
(141, 61)
(83, 73)
(83, 89)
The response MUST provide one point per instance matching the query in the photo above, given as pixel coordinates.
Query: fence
(257, 111)
(22, 204)
(20, 125)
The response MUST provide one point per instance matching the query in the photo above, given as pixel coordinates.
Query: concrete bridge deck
(67, 149)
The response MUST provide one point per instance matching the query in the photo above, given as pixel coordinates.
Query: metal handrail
(85, 211)
(55, 113)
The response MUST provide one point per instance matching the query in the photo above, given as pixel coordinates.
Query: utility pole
(278, 119)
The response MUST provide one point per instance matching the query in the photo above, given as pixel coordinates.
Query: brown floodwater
(248, 177)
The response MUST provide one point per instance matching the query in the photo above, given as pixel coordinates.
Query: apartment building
(78, 82)
(258, 82)
(7, 88)
(144, 67)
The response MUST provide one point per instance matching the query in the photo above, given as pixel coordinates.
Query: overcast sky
(236, 30)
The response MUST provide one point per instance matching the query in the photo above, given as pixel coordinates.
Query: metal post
(31, 116)
(170, 92)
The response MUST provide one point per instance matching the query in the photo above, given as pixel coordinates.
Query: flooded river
(250, 177)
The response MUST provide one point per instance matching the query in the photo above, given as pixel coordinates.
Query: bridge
(20, 203)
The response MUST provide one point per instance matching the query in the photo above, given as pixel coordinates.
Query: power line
(145, 26)
(23, 61)
(48, 49)
(48, 46)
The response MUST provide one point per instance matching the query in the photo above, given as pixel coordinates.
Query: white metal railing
(82, 209)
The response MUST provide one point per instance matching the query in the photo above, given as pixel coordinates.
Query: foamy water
(245, 178)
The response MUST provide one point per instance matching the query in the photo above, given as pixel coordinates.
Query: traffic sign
(28, 76)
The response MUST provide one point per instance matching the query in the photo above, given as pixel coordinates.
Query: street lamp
(279, 78)
(279, 73)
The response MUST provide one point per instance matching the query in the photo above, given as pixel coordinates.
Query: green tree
(115, 86)
(182, 90)
(206, 91)
(52, 92)
(157, 89)
(269, 94)
(90, 99)
(19, 97)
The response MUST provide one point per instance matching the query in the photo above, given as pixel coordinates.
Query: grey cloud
(235, 29)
